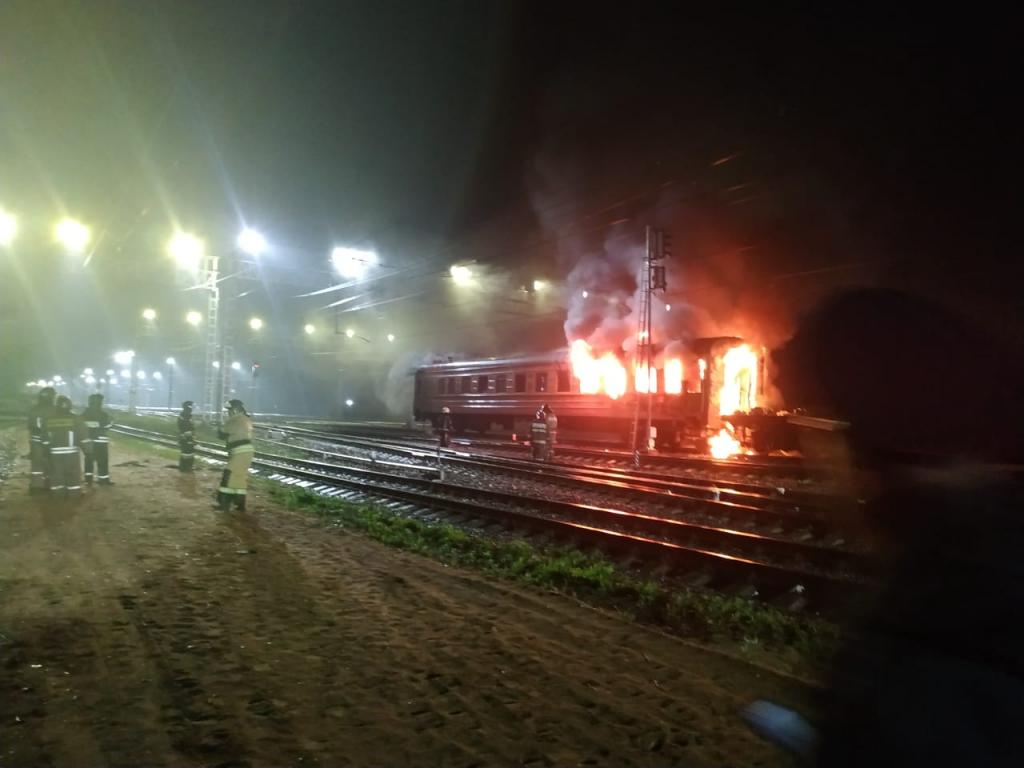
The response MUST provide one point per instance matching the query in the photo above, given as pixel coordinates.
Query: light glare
(187, 250)
(309, 328)
(352, 263)
(461, 274)
(72, 234)
(251, 242)
(193, 318)
(255, 323)
(149, 314)
(8, 227)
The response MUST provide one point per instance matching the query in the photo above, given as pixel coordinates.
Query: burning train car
(693, 392)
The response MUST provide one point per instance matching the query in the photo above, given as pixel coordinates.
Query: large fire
(739, 380)
(597, 374)
(723, 445)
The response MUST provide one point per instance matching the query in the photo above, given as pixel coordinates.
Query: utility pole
(212, 375)
(652, 278)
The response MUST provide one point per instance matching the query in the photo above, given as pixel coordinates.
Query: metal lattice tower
(643, 355)
(212, 376)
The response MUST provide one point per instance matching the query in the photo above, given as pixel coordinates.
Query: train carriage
(687, 398)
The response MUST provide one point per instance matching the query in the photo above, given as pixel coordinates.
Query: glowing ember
(674, 377)
(739, 380)
(640, 380)
(723, 445)
(604, 374)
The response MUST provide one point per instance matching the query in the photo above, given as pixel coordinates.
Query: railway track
(777, 504)
(775, 568)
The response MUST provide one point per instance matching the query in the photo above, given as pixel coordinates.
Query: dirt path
(142, 628)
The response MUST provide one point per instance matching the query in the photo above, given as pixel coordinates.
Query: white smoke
(398, 388)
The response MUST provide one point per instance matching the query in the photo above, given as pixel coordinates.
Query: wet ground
(139, 627)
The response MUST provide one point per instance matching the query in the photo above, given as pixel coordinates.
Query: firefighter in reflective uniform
(552, 423)
(237, 432)
(539, 435)
(97, 443)
(445, 429)
(186, 438)
(37, 416)
(65, 433)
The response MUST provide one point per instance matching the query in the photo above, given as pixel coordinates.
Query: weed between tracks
(591, 578)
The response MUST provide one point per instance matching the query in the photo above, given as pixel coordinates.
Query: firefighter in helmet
(97, 442)
(445, 428)
(37, 417)
(186, 438)
(65, 434)
(552, 424)
(237, 433)
(539, 435)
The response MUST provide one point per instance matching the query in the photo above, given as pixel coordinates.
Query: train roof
(700, 346)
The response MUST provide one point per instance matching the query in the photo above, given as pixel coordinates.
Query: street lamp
(461, 274)
(350, 402)
(8, 228)
(255, 323)
(251, 242)
(187, 250)
(170, 382)
(350, 332)
(309, 328)
(236, 366)
(72, 234)
(149, 314)
(391, 337)
(193, 318)
(352, 263)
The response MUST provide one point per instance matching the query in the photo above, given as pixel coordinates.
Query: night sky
(790, 156)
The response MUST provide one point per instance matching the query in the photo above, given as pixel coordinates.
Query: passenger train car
(687, 400)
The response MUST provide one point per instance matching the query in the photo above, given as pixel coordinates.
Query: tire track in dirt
(172, 635)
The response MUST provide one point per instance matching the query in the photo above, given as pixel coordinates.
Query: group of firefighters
(543, 432)
(57, 436)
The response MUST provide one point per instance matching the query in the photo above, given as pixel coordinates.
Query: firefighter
(445, 429)
(539, 435)
(38, 458)
(237, 432)
(186, 438)
(552, 424)
(97, 443)
(65, 434)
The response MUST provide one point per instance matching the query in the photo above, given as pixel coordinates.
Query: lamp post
(170, 383)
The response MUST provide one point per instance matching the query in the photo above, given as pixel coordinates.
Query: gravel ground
(139, 627)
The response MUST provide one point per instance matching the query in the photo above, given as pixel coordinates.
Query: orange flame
(739, 380)
(674, 377)
(605, 374)
(640, 380)
(723, 445)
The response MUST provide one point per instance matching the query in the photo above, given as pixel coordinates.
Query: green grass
(594, 579)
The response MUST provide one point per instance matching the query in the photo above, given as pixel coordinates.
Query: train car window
(500, 384)
(442, 385)
(563, 381)
(481, 383)
(541, 382)
(520, 382)
(467, 384)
